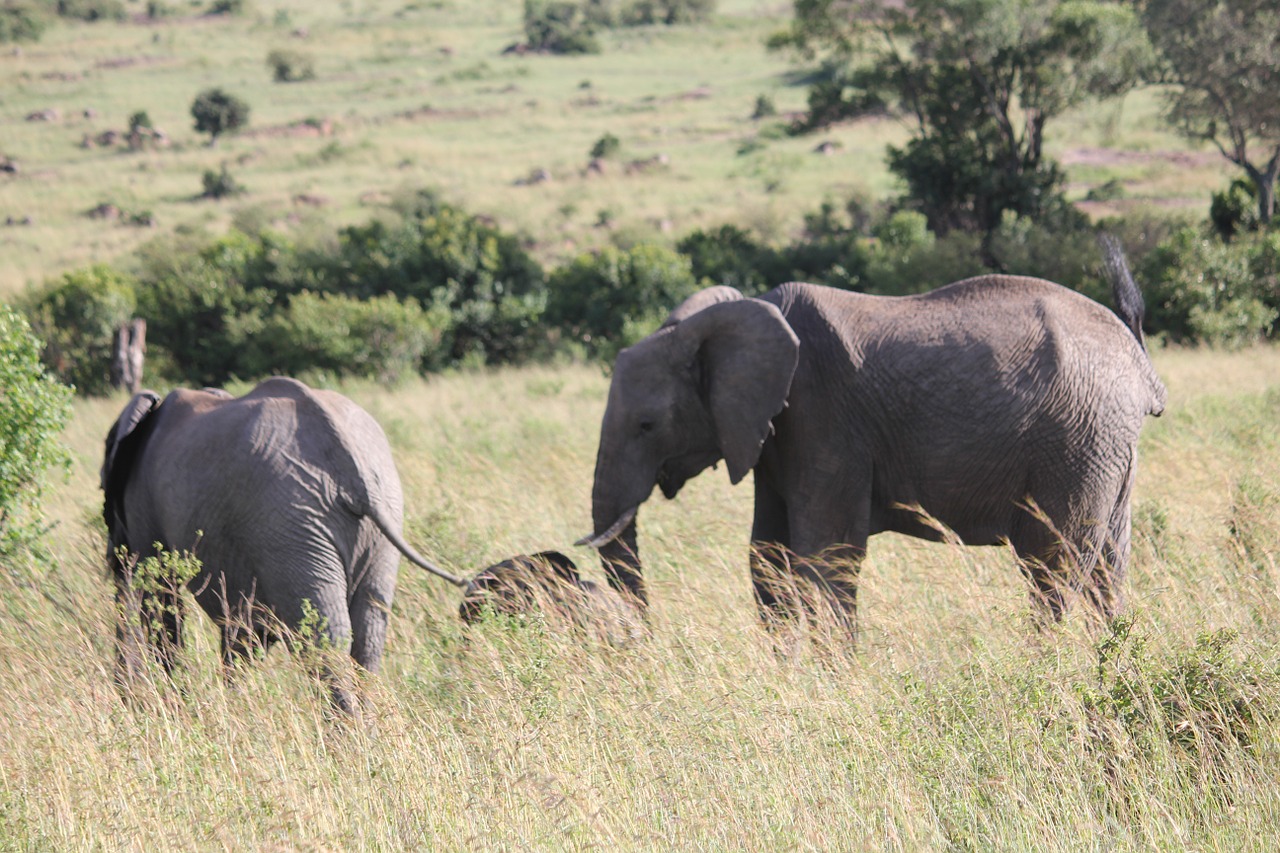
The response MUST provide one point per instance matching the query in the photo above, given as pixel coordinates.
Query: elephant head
(702, 388)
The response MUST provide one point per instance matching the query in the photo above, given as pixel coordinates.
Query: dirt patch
(1117, 157)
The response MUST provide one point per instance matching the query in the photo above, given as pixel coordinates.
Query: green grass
(955, 725)
(419, 94)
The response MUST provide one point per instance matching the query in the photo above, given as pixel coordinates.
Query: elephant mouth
(599, 540)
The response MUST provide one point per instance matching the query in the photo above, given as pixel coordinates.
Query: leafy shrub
(229, 7)
(669, 12)
(491, 287)
(606, 146)
(764, 107)
(1235, 209)
(77, 316)
(1200, 289)
(595, 296)
(290, 66)
(382, 338)
(1060, 248)
(729, 255)
(217, 112)
(220, 184)
(557, 26)
(140, 121)
(21, 22)
(33, 410)
(91, 10)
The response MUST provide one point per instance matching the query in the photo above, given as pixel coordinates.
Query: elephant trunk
(616, 540)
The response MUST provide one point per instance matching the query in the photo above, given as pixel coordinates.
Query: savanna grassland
(956, 725)
(410, 95)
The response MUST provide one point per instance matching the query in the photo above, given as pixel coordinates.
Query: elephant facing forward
(1007, 409)
(290, 499)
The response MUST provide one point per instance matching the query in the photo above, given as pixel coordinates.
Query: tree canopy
(1224, 57)
(979, 80)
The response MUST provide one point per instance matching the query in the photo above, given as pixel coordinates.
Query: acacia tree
(217, 112)
(978, 81)
(1224, 56)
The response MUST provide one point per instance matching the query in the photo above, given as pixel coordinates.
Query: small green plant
(217, 112)
(91, 10)
(606, 146)
(220, 184)
(555, 26)
(229, 7)
(140, 121)
(21, 22)
(764, 108)
(290, 66)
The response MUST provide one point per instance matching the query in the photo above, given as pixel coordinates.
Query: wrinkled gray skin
(287, 495)
(971, 402)
(549, 580)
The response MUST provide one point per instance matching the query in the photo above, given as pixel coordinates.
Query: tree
(1224, 56)
(979, 81)
(217, 112)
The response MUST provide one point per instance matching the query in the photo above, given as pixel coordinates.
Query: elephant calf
(288, 497)
(548, 582)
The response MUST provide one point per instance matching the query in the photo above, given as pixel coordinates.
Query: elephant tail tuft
(1128, 298)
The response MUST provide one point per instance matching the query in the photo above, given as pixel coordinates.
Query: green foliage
(21, 21)
(290, 66)
(1224, 57)
(1235, 209)
(1200, 289)
(490, 286)
(382, 338)
(217, 112)
(670, 12)
(729, 255)
(594, 297)
(1205, 702)
(220, 184)
(606, 146)
(140, 121)
(229, 7)
(77, 317)
(34, 407)
(91, 10)
(559, 26)
(980, 80)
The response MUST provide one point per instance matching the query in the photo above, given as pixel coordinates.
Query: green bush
(217, 112)
(91, 10)
(556, 26)
(290, 66)
(491, 287)
(729, 255)
(220, 184)
(34, 407)
(21, 21)
(642, 12)
(1203, 290)
(382, 338)
(77, 317)
(595, 296)
(1235, 209)
(606, 146)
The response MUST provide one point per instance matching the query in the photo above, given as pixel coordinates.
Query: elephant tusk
(599, 540)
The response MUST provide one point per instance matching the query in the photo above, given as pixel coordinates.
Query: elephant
(997, 410)
(287, 496)
(549, 581)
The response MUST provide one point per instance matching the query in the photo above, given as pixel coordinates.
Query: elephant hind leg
(1068, 558)
(1106, 582)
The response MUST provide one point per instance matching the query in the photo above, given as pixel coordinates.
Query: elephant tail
(393, 536)
(1128, 298)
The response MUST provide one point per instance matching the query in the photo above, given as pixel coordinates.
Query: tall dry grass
(956, 724)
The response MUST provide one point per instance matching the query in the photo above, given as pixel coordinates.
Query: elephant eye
(646, 426)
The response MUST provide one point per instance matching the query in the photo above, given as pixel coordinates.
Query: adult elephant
(288, 497)
(1000, 408)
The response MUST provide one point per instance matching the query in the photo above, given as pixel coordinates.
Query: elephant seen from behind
(291, 502)
(1003, 409)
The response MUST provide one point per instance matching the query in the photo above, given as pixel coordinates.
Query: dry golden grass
(956, 724)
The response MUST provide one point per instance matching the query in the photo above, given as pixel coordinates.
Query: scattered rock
(300, 33)
(108, 138)
(9, 167)
(106, 210)
(90, 113)
(309, 200)
(596, 168)
(21, 220)
(657, 161)
(826, 147)
(49, 114)
(537, 176)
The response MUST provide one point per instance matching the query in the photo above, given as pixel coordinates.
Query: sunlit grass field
(956, 724)
(421, 95)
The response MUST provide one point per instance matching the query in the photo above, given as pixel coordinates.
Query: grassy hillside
(956, 724)
(420, 94)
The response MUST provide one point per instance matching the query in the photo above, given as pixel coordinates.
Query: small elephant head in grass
(547, 583)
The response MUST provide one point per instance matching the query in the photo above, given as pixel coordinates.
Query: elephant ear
(746, 355)
(699, 301)
(121, 451)
(563, 567)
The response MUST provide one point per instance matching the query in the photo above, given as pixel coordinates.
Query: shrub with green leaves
(290, 66)
(21, 21)
(220, 184)
(217, 112)
(382, 338)
(597, 296)
(557, 26)
(1200, 289)
(34, 407)
(91, 10)
(77, 317)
